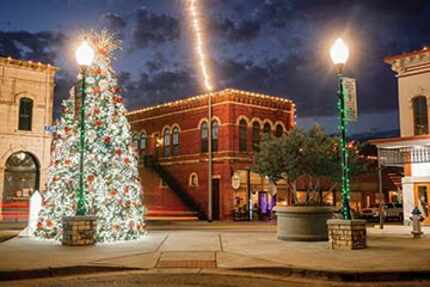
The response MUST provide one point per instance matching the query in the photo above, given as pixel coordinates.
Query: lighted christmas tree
(112, 189)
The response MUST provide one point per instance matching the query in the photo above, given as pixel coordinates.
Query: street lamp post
(339, 54)
(84, 57)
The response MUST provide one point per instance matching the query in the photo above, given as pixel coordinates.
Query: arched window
(243, 135)
(256, 136)
(21, 176)
(420, 115)
(279, 131)
(267, 130)
(135, 140)
(166, 143)
(215, 133)
(25, 114)
(204, 137)
(175, 141)
(143, 142)
(193, 180)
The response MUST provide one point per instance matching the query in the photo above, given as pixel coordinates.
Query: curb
(60, 271)
(340, 276)
(325, 275)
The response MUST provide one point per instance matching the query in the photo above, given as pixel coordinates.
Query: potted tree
(308, 157)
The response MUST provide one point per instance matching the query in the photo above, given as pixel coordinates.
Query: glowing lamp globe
(85, 54)
(339, 52)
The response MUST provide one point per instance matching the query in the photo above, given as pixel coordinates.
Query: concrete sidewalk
(245, 248)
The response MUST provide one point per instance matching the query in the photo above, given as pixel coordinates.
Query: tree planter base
(347, 234)
(303, 223)
(79, 230)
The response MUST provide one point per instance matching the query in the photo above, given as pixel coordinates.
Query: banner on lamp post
(349, 87)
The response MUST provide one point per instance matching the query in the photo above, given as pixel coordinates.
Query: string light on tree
(112, 189)
(339, 54)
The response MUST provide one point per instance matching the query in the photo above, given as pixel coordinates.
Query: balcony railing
(404, 155)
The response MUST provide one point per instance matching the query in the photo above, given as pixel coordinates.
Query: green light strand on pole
(81, 210)
(346, 211)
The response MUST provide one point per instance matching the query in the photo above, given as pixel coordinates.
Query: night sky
(278, 47)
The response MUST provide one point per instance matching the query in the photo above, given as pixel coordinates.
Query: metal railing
(152, 163)
(404, 155)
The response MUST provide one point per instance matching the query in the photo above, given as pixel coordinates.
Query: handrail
(152, 164)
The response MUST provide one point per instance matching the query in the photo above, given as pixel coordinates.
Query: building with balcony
(411, 151)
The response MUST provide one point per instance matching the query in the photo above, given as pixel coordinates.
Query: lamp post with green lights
(84, 56)
(339, 54)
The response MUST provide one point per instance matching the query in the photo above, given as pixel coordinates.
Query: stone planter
(79, 230)
(303, 223)
(347, 234)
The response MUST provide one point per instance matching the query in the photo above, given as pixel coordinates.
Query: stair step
(171, 218)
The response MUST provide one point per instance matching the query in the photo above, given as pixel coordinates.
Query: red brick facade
(185, 157)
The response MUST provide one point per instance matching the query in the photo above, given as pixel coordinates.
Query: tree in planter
(310, 156)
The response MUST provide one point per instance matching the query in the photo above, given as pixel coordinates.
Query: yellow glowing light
(339, 52)
(85, 54)
(198, 35)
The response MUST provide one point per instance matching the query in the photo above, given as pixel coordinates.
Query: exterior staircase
(395, 178)
(151, 163)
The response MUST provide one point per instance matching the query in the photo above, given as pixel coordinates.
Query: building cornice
(410, 62)
(231, 95)
(401, 141)
(36, 66)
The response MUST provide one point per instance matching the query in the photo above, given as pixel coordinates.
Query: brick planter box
(79, 230)
(347, 234)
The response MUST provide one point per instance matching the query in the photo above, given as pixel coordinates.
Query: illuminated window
(204, 137)
(267, 130)
(420, 115)
(166, 143)
(175, 141)
(193, 180)
(243, 135)
(215, 133)
(256, 136)
(25, 114)
(143, 142)
(279, 131)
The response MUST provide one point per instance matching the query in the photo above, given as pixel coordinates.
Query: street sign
(50, 129)
(349, 87)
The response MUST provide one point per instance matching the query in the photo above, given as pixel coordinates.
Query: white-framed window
(175, 141)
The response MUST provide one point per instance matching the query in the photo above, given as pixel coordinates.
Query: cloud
(63, 83)
(241, 30)
(151, 28)
(114, 22)
(154, 88)
(41, 46)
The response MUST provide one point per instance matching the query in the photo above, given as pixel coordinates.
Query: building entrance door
(422, 200)
(21, 179)
(215, 199)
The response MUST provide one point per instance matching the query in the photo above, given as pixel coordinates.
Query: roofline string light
(199, 47)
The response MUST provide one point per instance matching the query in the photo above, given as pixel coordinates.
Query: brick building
(26, 99)
(172, 139)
